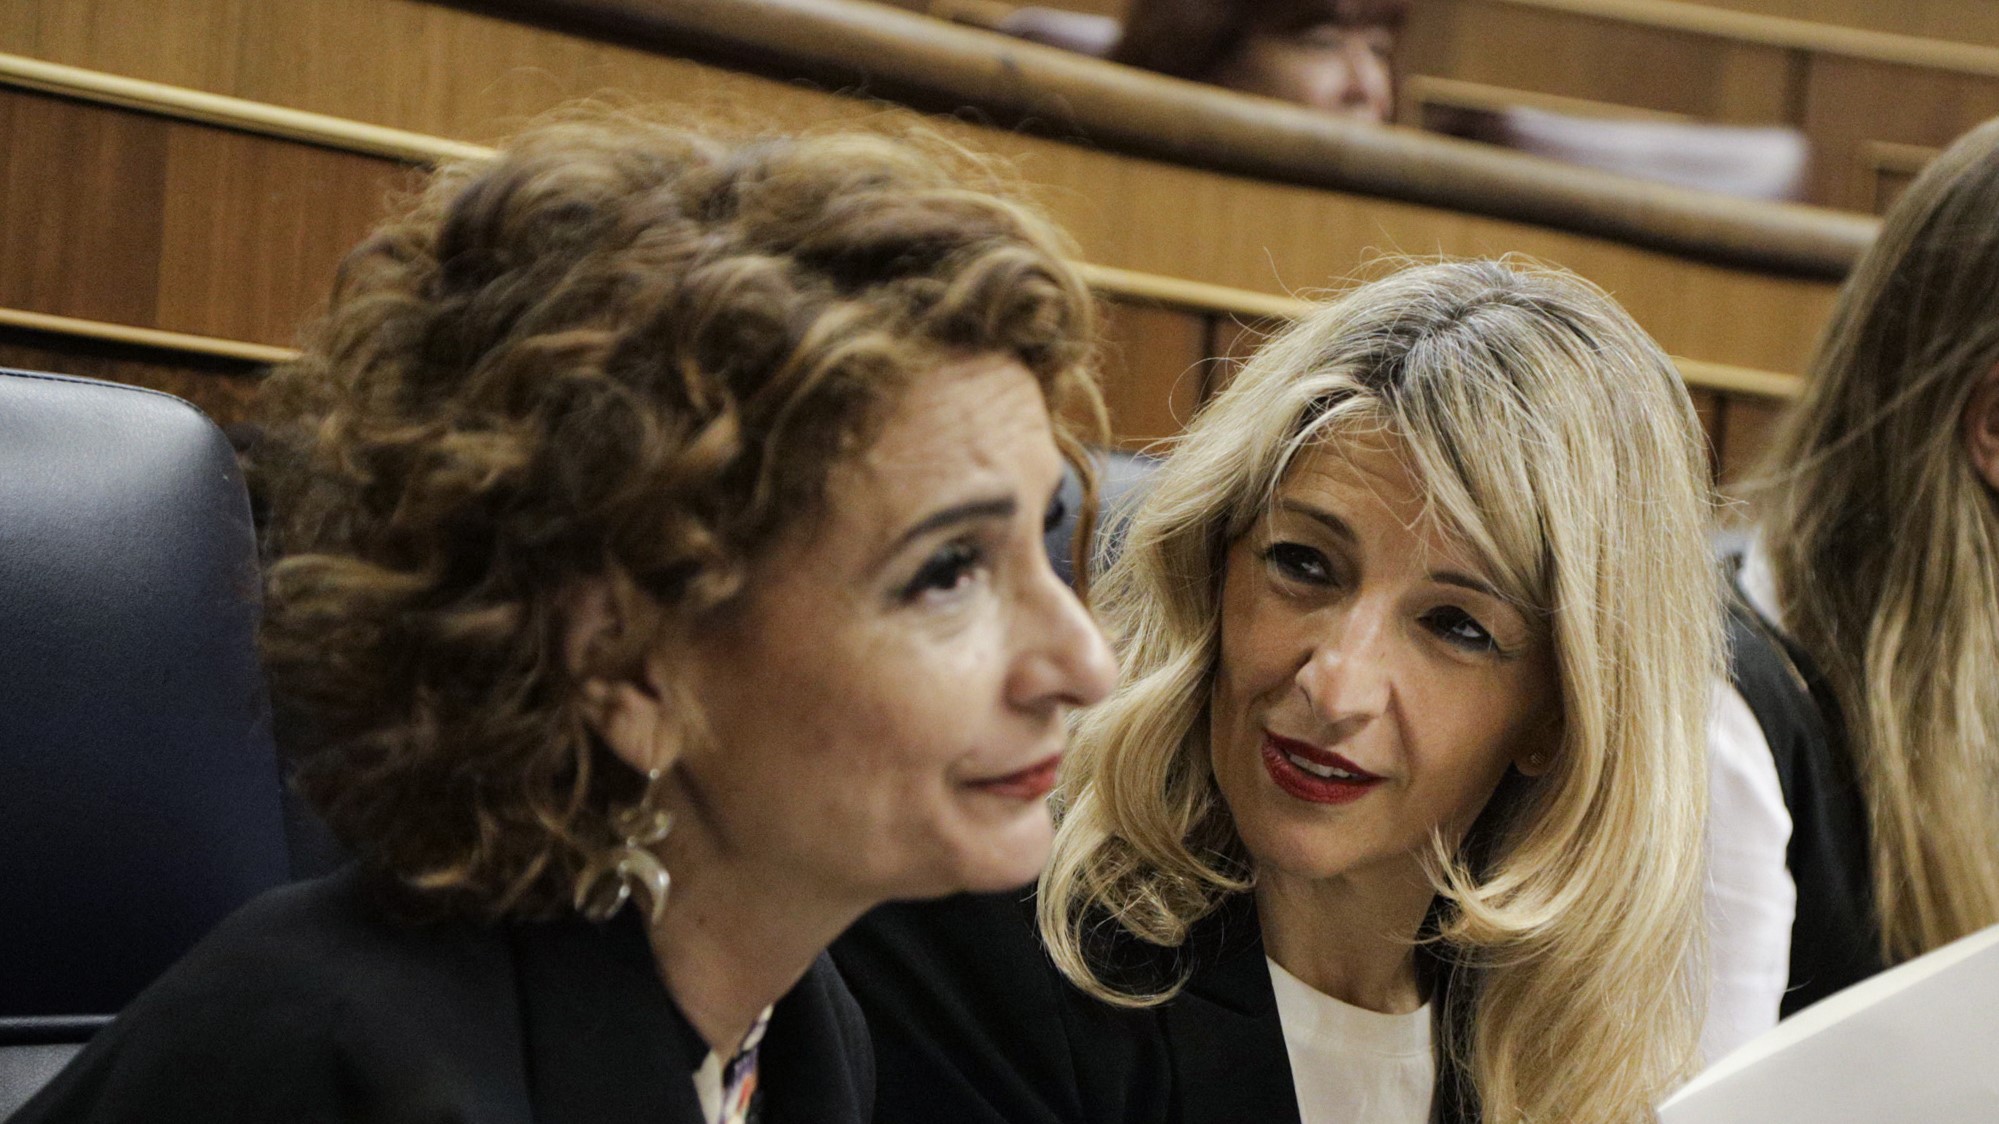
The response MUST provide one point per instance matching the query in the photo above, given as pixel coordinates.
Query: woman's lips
(1031, 783)
(1312, 774)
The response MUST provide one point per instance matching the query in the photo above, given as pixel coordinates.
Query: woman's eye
(1057, 511)
(1329, 35)
(952, 566)
(1458, 627)
(1299, 563)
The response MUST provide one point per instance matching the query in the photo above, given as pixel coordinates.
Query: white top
(1751, 900)
(1349, 1063)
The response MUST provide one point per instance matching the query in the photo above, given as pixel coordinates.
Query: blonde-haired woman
(1397, 814)
(1878, 559)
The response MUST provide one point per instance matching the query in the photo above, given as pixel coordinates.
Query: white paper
(1919, 1042)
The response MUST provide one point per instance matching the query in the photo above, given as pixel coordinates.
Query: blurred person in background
(1875, 567)
(1333, 55)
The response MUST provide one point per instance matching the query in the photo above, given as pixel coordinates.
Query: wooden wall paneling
(1231, 342)
(1277, 238)
(945, 7)
(1602, 60)
(410, 64)
(1957, 21)
(1125, 211)
(188, 38)
(1748, 424)
(131, 219)
(1098, 7)
(81, 192)
(1967, 22)
(1154, 367)
(1426, 101)
(989, 14)
(1267, 237)
(1888, 169)
(254, 228)
(470, 55)
(1759, 85)
(1717, 315)
(225, 390)
(1853, 105)
(1709, 407)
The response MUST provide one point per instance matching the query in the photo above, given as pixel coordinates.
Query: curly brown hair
(616, 351)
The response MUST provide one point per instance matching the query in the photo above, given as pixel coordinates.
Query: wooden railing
(869, 48)
(1858, 27)
(1851, 91)
(127, 335)
(223, 214)
(1783, 31)
(1855, 92)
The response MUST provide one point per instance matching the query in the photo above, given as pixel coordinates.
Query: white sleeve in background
(1751, 900)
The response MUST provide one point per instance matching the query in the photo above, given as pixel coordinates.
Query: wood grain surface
(150, 220)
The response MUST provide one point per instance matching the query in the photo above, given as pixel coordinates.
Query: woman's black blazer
(309, 1005)
(1836, 935)
(974, 1025)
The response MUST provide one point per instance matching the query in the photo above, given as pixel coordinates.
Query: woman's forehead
(1372, 473)
(976, 413)
(978, 432)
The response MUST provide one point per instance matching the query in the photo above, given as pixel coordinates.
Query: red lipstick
(1312, 774)
(1031, 783)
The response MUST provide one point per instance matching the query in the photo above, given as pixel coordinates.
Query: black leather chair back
(1122, 479)
(139, 791)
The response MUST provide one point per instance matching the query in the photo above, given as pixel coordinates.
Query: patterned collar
(728, 1090)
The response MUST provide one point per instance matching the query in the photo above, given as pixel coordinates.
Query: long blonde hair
(1556, 439)
(1884, 544)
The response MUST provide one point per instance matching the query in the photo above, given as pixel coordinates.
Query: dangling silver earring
(608, 881)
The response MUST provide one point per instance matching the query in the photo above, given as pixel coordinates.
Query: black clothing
(1835, 938)
(973, 1023)
(309, 1005)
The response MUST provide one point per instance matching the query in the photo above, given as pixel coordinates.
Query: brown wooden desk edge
(886, 52)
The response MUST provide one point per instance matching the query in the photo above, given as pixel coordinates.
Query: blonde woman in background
(1397, 815)
(1877, 565)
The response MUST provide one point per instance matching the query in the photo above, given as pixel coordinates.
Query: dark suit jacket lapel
(1229, 1058)
(818, 1055)
(604, 1042)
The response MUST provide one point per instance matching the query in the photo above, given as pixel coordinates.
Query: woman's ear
(1538, 749)
(628, 711)
(1981, 428)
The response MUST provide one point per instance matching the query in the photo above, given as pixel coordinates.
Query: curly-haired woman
(1397, 816)
(661, 566)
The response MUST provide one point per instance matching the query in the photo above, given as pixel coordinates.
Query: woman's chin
(998, 858)
(1308, 853)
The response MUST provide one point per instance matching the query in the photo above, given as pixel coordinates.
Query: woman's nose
(1360, 84)
(1345, 676)
(1066, 660)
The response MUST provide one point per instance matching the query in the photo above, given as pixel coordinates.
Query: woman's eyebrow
(1465, 581)
(1320, 515)
(971, 511)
